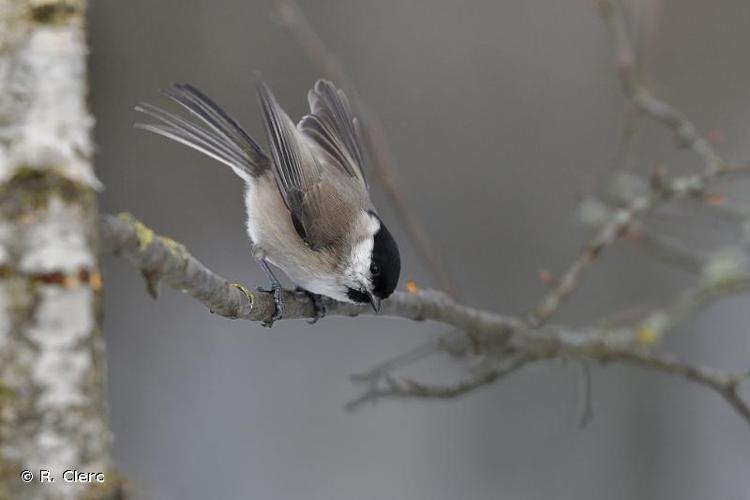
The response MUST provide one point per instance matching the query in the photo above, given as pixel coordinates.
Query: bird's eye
(374, 269)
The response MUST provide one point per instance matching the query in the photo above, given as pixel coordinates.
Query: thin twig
(404, 388)
(693, 300)
(668, 249)
(660, 191)
(726, 384)
(642, 98)
(568, 282)
(384, 368)
(289, 15)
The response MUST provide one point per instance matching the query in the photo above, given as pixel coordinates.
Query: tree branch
(505, 342)
(643, 99)
(661, 189)
(502, 343)
(668, 250)
(388, 387)
(726, 384)
(162, 259)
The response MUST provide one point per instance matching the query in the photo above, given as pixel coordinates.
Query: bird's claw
(278, 300)
(318, 305)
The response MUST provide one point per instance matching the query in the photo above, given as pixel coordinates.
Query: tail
(223, 139)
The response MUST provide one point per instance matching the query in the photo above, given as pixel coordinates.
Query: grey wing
(333, 126)
(298, 173)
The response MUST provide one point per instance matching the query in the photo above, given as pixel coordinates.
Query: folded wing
(316, 202)
(333, 126)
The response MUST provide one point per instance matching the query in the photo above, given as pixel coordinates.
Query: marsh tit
(309, 212)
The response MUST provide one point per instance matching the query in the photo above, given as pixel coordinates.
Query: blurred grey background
(499, 112)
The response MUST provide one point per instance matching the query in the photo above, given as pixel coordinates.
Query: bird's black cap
(386, 262)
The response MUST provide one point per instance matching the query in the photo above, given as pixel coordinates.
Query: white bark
(51, 357)
(43, 99)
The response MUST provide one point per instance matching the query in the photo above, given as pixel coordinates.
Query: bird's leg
(278, 292)
(318, 305)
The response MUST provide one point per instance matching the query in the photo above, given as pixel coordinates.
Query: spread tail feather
(223, 139)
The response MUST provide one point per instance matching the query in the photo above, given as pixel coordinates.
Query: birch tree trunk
(51, 348)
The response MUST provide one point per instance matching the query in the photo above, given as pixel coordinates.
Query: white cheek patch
(359, 267)
(360, 264)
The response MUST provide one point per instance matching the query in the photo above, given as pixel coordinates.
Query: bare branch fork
(506, 342)
(502, 343)
(661, 190)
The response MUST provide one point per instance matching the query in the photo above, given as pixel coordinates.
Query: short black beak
(374, 302)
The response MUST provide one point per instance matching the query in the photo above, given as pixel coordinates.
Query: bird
(308, 206)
